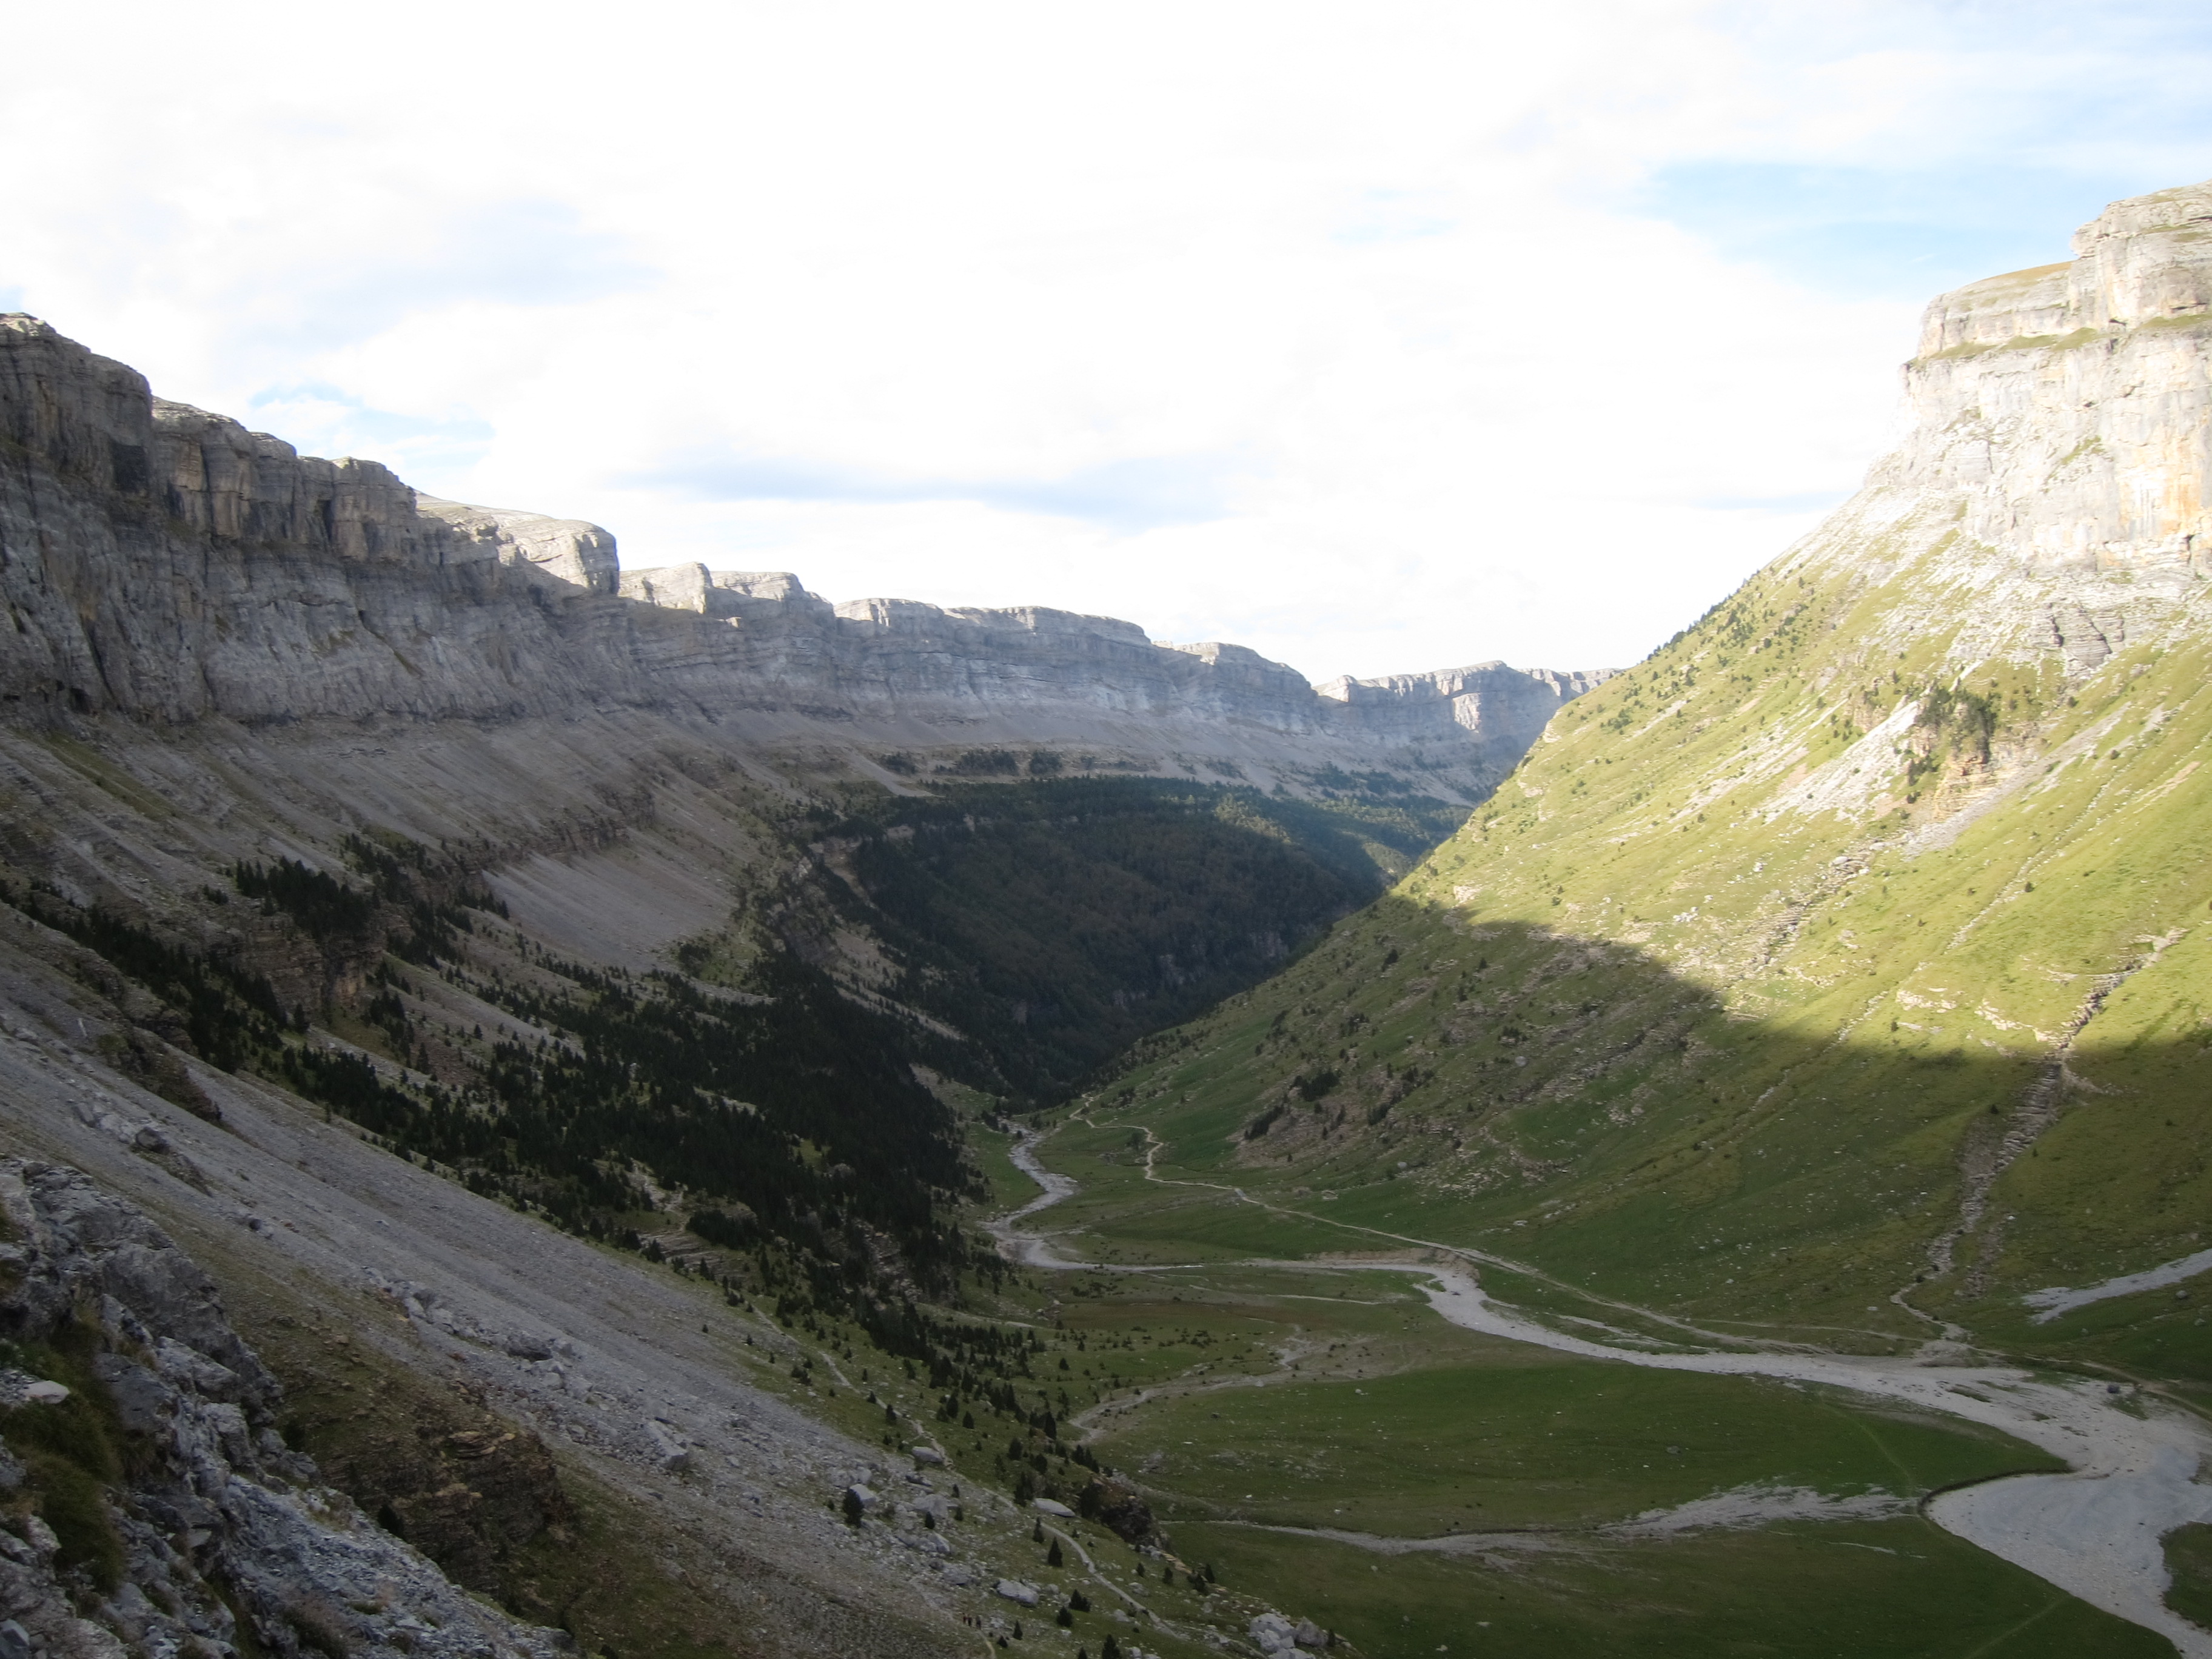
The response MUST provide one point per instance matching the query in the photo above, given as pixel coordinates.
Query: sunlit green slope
(1853, 946)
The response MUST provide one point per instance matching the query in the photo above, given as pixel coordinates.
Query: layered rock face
(2064, 425)
(924, 658)
(165, 563)
(1488, 698)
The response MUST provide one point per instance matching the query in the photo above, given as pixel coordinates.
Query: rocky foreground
(215, 1539)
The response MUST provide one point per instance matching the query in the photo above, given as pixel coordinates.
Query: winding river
(2094, 1532)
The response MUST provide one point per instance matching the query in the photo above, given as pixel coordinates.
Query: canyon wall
(165, 563)
(2053, 492)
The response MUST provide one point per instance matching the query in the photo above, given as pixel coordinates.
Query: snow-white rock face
(2053, 493)
(166, 564)
(214, 1498)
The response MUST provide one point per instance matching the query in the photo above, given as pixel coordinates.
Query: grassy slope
(1052, 922)
(1683, 1020)
(1640, 1027)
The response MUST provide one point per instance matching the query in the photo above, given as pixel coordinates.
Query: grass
(1563, 1443)
(1649, 1038)
(2189, 1558)
(1665, 1039)
(1899, 1587)
(73, 1454)
(1244, 1397)
(1638, 1027)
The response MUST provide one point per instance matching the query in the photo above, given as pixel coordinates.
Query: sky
(1378, 338)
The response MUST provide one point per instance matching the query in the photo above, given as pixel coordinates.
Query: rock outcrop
(567, 550)
(1487, 701)
(152, 1509)
(167, 564)
(2064, 414)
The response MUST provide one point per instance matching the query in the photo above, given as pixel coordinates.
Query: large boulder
(1115, 1505)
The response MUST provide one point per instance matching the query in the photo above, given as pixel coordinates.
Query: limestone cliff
(165, 563)
(2063, 418)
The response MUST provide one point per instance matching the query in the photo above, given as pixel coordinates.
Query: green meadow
(1486, 1490)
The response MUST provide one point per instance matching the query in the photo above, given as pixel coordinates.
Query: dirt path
(2094, 1532)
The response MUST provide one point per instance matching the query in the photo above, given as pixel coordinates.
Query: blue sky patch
(1867, 233)
(1140, 494)
(321, 419)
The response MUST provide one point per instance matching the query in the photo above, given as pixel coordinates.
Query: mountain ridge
(191, 567)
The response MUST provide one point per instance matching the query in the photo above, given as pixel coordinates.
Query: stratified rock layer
(167, 564)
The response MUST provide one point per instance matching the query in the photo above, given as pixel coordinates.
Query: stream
(2094, 1532)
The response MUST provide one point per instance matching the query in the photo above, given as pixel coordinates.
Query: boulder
(669, 1452)
(1115, 1505)
(1278, 1638)
(1014, 1590)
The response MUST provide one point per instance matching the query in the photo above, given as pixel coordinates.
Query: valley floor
(1624, 1484)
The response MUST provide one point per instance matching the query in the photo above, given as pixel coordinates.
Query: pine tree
(1053, 1557)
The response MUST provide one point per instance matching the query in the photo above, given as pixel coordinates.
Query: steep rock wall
(167, 564)
(2061, 463)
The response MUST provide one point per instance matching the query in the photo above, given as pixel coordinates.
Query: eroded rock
(211, 1496)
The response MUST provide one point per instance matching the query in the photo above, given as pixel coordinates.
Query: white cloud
(1339, 332)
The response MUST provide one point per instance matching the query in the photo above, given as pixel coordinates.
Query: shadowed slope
(1856, 943)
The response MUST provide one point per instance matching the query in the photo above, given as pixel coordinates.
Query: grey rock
(669, 1451)
(218, 1501)
(1277, 1636)
(190, 569)
(1013, 1590)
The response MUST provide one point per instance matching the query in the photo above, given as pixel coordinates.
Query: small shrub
(317, 1627)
